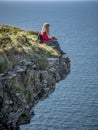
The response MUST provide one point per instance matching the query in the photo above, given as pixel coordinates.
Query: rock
(25, 63)
(1, 102)
(23, 86)
(19, 69)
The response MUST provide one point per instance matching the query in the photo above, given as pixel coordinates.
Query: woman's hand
(54, 38)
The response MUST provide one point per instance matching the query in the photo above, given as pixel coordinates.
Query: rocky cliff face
(24, 85)
(28, 73)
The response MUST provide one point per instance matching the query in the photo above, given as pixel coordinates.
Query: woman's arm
(45, 37)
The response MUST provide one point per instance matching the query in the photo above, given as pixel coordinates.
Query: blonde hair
(45, 28)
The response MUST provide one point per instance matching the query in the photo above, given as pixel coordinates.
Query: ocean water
(74, 103)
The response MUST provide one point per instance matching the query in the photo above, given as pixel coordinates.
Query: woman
(50, 40)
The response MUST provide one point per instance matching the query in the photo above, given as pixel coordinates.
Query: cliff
(28, 73)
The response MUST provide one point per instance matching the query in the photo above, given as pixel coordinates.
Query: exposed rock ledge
(28, 73)
(16, 100)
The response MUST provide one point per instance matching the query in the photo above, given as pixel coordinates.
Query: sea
(74, 103)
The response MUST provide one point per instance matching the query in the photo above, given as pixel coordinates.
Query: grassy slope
(17, 44)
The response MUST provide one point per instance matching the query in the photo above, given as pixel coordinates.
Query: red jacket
(45, 37)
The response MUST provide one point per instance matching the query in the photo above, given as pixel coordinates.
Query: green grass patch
(17, 44)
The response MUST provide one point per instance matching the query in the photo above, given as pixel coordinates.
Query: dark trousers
(54, 44)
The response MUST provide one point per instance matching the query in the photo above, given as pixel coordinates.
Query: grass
(17, 44)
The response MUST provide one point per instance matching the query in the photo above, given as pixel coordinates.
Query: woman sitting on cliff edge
(50, 40)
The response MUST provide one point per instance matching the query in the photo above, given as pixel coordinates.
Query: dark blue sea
(74, 103)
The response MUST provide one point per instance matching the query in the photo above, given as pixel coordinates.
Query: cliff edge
(28, 73)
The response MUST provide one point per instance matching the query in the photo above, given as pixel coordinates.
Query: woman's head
(45, 27)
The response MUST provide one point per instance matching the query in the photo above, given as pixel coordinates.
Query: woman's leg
(54, 44)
